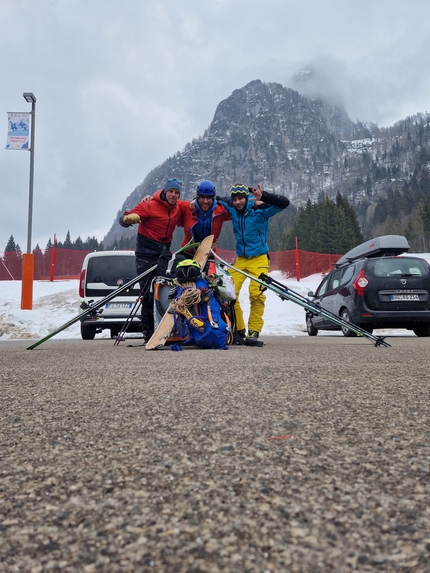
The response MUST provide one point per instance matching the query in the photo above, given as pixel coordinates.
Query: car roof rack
(389, 245)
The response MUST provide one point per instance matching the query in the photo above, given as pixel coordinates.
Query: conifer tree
(11, 245)
(415, 235)
(392, 227)
(92, 244)
(12, 254)
(68, 243)
(328, 227)
(78, 244)
(349, 229)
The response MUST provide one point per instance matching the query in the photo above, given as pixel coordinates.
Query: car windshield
(397, 266)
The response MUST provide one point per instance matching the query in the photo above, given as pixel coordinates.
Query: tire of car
(345, 331)
(87, 332)
(312, 331)
(422, 330)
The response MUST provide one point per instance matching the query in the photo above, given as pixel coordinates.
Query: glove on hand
(131, 219)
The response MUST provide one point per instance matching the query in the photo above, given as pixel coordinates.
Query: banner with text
(18, 130)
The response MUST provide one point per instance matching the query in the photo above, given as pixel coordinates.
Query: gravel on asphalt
(307, 455)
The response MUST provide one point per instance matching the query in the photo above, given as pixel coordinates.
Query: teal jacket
(251, 226)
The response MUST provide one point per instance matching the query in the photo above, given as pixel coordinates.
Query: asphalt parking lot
(306, 455)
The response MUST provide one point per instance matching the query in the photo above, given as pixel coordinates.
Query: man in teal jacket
(251, 229)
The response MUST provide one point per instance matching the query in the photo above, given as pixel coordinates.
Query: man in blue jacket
(251, 229)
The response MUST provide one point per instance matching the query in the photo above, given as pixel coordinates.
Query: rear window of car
(397, 266)
(110, 269)
(347, 275)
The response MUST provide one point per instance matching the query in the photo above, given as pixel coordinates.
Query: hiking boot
(252, 335)
(252, 339)
(239, 337)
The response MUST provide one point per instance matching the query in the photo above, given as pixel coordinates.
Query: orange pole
(27, 281)
(297, 260)
(53, 253)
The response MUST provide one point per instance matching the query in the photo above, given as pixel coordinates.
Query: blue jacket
(251, 226)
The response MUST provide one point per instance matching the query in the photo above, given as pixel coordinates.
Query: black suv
(373, 287)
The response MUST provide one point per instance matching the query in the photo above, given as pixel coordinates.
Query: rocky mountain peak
(295, 144)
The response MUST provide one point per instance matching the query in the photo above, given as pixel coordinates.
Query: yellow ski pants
(253, 266)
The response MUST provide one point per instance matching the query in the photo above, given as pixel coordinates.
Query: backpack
(204, 323)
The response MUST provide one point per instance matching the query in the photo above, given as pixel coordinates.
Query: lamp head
(29, 97)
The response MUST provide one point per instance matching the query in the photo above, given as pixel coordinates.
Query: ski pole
(285, 293)
(129, 320)
(92, 308)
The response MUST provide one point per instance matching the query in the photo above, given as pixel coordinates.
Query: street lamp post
(30, 98)
(28, 258)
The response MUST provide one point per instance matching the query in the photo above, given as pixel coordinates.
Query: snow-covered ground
(56, 303)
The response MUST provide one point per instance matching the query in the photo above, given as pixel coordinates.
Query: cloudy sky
(123, 84)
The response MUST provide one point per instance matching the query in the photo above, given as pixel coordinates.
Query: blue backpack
(205, 323)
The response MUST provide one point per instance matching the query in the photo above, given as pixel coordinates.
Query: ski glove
(131, 219)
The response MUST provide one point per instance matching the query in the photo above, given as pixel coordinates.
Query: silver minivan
(103, 272)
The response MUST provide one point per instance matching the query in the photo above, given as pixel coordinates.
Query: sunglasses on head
(170, 179)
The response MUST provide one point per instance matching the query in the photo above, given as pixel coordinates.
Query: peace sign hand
(257, 192)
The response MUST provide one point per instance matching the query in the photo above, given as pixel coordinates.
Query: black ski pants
(143, 263)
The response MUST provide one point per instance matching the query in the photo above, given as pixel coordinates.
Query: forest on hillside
(324, 226)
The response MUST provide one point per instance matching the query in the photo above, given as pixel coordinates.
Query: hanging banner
(18, 130)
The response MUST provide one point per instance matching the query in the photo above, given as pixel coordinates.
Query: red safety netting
(56, 264)
(60, 264)
(294, 263)
(299, 264)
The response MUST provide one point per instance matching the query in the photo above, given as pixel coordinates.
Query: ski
(204, 250)
(93, 308)
(167, 323)
(285, 293)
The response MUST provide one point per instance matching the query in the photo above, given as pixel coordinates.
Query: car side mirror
(311, 293)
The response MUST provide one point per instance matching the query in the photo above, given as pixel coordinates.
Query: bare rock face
(302, 146)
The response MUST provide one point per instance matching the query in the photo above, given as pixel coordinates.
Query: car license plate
(116, 305)
(404, 297)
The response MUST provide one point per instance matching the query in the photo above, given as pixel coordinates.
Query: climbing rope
(189, 297)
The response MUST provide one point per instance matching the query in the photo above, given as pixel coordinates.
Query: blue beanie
(172, 184)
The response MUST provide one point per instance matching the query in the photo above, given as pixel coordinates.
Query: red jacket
(158, 219)
(219, 215)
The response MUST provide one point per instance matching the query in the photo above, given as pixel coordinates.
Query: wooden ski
(167, 323)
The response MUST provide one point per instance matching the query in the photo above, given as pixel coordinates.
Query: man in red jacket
(205, 216)
(157, 220)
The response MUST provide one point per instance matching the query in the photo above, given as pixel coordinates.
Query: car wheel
(422, 330)
(87, 332)
(312, 331)
(345, 331)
